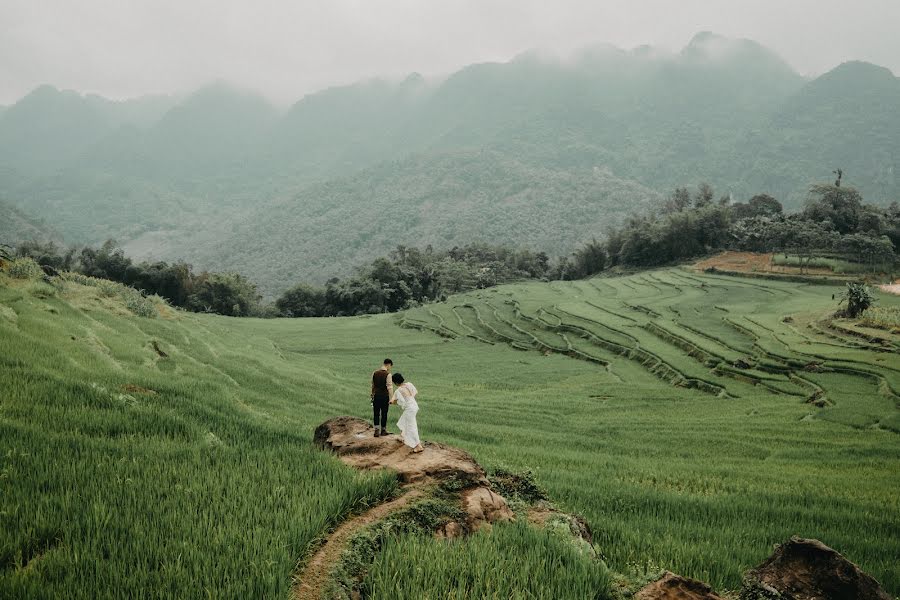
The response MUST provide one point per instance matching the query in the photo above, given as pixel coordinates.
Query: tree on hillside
(588, 260)
(223, 293)
(758, 206)
(806, 239)
(678, 201)
(704, 196)
(858, 297)
(302, 300)
(107, 262)
(841, 206)
(868, 249)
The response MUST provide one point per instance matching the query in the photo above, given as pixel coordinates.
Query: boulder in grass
(485, 507)
(802, 569)
(675, 587)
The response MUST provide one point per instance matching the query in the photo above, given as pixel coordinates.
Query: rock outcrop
(484, 506)
(802, 569)
(675, 587)
(354, 441)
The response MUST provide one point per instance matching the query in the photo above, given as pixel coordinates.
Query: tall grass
(124, 473)
(882, 317)
(837, 265)
(172, 457)
(513, 561)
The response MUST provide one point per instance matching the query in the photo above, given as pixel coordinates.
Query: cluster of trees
(834, 222)
(409, 276)
(222, 293)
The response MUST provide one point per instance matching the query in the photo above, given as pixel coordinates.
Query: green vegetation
(835, 222)
(24, 268)
(160, 455)
(881, 317)
(526, 152)
(859, 297)
(422, 518)
(836, 265)
(512, 561)
(692, 419)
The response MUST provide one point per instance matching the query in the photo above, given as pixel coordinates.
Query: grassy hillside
(171, 456)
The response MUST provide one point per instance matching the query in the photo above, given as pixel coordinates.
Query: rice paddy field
(693, 420)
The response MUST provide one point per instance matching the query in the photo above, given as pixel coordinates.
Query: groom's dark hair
(388, 361)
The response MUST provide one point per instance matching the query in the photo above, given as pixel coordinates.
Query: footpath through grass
(171, 456)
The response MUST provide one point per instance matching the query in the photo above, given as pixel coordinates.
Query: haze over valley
(535, 152)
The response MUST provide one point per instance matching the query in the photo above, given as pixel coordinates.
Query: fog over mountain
(533, 151)
(288, 49)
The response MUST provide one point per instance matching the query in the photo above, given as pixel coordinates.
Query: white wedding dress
(405, 397)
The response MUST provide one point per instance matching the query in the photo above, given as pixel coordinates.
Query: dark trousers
(380, 409)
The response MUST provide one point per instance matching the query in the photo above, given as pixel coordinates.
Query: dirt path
(310, 581)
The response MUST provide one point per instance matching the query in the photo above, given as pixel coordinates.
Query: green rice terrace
(692, 419)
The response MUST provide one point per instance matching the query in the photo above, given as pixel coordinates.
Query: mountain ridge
(209, 164)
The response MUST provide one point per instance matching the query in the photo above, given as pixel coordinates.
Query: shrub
(25, 268)
(517, 485)
(858, 297)
(137, 303)
(134, 300)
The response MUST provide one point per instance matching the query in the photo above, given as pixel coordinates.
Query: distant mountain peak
(703, 38)
(861, 69)
(413, 79)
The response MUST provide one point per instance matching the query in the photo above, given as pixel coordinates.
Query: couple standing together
(384, 394)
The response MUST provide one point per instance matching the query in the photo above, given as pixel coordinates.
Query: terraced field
(693, 420)
(723, 336)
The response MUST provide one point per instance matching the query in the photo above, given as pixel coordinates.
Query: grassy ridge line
(666, 476)
(125, 470)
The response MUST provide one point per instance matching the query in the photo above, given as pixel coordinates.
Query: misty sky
(124, 48)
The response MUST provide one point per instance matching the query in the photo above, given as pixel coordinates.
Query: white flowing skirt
(409, 430)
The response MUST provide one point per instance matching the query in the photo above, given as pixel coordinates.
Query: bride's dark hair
(397, 378)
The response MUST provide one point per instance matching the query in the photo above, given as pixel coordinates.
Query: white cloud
(123, 48)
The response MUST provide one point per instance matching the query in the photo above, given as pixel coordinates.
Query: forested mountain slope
(439, 199)
(192, 177)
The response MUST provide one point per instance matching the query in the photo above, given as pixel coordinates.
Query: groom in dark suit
(381, 396)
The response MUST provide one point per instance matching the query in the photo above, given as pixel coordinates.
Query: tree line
(222, 293)
(835, 222)
(408, 276)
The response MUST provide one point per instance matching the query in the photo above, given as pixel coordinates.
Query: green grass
(513, 561)
(209, 485)
(837, 265)
(882, 317)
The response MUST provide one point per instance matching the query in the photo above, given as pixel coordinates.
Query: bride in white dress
(405, 395)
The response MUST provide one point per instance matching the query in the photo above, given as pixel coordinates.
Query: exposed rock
(451, 531)
(484, 506)
(742, 364)
(675, 587)
(802, 569)
(354, 441)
